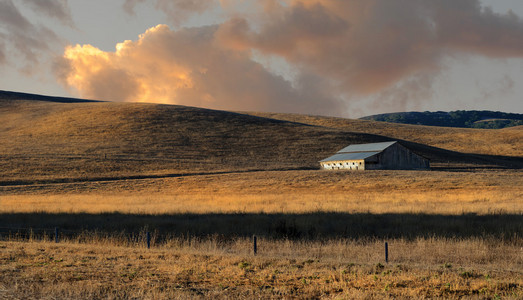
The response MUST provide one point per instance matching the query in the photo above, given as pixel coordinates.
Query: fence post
(255, 246)
(386, 252)
(56, 235)
(148, 240)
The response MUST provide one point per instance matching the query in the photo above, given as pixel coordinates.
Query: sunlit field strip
(437, 203)
(281, 192)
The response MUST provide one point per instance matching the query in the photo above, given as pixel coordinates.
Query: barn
(376, 156)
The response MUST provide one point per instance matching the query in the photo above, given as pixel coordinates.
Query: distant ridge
(461, 118)
(7, 95)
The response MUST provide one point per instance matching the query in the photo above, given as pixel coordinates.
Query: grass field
(339, 269)
(454, 193)
(204, 182)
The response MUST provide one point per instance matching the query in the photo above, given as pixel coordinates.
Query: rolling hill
(54, 139)
(460, 118)
(504, 142)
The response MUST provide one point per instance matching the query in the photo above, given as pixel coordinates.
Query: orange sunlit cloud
(128, 74)
(186, 67)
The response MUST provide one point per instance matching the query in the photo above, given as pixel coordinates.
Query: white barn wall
(344, 165)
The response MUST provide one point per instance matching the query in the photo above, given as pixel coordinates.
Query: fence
(58, 235)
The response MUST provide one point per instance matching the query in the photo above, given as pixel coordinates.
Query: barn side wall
(397, 157)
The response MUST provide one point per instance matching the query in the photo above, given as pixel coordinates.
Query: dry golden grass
(507, 141)
(102, 171)
(42, 140)
(281, 192)
(215, 259)
(283, 269)
(45, 141)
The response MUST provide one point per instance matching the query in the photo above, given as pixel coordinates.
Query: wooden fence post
(148, 240)
(255, 246)
(386, 252)
(56, 235)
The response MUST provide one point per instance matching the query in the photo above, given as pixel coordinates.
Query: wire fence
(143, 238)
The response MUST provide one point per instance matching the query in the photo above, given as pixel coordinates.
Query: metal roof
(350, 156)
(367, 147)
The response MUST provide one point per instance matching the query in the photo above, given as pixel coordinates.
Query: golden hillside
(47, 138)
(504, 142)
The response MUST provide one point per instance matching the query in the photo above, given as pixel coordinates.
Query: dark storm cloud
(177, 11)
(21, 37)
(367, 46)
(57, 9)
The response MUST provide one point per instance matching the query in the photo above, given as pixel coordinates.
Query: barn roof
(367, 147)
(359, 151)
(350, 156)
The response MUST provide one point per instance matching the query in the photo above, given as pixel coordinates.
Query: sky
(346, 58)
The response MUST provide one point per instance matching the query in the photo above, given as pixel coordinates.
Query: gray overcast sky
(343, 58)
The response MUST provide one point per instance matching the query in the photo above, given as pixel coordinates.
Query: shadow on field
(309, 226)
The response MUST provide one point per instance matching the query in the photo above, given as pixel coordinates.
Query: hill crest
(8, 95)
